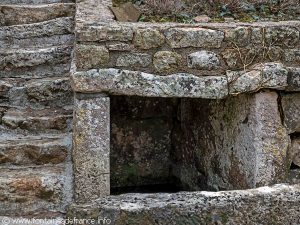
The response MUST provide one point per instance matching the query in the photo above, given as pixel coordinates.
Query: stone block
(291, 111)
(134, 59)
(203, 60)
(293, 79)
(126, 82)
(166, 61)
(91, 56)
(239, 36)
(148, 38)
(292, 55)
(194, 37)
(91, 140)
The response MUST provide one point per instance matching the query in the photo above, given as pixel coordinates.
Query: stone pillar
(91, 141)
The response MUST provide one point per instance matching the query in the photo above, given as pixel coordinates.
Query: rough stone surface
(91, 141)
(141, 140)
(166, 61)
(291, 111)
(203, 60)
(16, 14)
(295, 151)
(91, 56)
(25, 190)
(194, 37)
(148, 38)
(124, 82)
(134, 59)
(259, 206)
(30, 58)
(34, 150)
(235, 143)
(293, 79)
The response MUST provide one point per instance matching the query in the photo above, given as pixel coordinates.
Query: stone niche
(172, 144)
(140, 144)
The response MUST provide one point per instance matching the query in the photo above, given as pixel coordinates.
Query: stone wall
(36, 101)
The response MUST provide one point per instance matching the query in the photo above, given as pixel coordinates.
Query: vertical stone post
(91, 141)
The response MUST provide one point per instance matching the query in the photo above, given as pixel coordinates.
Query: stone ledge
(125, 82)
(265, 205)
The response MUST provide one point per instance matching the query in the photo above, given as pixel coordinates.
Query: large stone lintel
(124, 82)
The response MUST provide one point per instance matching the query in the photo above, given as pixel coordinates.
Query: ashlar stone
(148, 38)
(91, 56)
(134, 59)
(166, 61)
(194, 37)
(204, 60)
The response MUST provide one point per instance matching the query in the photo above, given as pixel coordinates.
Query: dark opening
(294, 167)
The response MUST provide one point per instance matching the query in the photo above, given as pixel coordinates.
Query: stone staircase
(36, 40)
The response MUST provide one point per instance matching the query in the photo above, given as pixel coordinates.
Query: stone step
(38, 35)
(34, 150)
(26, 190)
(42, 94)
(24, 58)
(26, 14)
(38, 121)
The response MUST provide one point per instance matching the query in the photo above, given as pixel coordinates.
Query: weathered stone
(34, 150)
(240, 82)
(295, 151)
(292, 55)
(235, 143)
(194, 37)
(28, 190)
(126, 12)
(55, 91)
(119, 47)
(38, 120)
(259, 206)
(134, 59)
(140, 151)
(4, 88)
(232, 59)
(90, 11)
(35, 57)
(274, 76)
(22, 14)
(91, 56)
(166, 61)
(91, 151)
(148, 38)
(281, 35)
(293, 79)
(291, 111)
(124, 82)
(239, 36)
(104, 33)
(203, 60)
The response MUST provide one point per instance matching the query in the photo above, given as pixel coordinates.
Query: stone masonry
(91, 108)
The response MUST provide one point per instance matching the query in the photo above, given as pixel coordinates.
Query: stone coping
(265, 205)
(126, 82)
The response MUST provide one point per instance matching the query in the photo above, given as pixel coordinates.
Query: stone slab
(91, 141)
(124, 82)
(266, 205)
